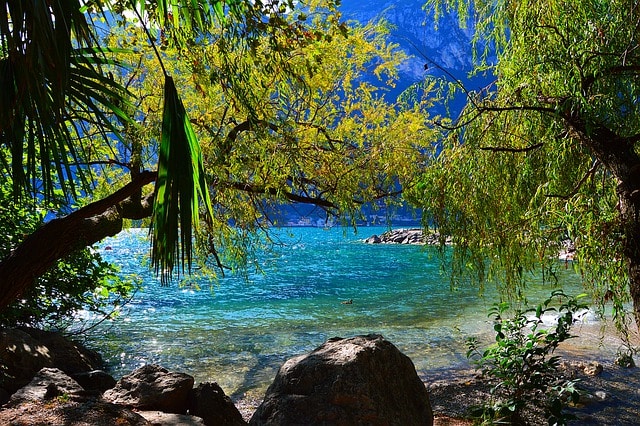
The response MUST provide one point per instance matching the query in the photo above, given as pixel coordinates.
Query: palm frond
(50, 69)
(180, 181)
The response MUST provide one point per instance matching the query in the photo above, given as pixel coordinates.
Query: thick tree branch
(513, 150)
(254, 189)
(60, 237)
(480, 110)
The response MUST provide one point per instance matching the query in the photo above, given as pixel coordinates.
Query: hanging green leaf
(180, 180)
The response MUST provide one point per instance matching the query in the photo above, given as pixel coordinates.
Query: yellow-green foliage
(282, 121)
(518, 172)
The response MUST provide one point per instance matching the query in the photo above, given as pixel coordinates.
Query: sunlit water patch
(238, 332)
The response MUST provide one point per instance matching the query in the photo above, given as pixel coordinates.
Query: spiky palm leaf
(181, 179)
(50, 74)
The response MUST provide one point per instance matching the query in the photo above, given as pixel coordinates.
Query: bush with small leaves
(521, 361)
(82, 281)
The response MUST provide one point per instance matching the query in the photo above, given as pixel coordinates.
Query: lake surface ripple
(238, 331)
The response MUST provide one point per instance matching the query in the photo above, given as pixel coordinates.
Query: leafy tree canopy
(550, 151)
(263, 103)
(301, 125)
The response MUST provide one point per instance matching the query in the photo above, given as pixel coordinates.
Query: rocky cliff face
(416, 33)
(444, 49)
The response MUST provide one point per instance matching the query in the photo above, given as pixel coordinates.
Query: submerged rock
(361, 380)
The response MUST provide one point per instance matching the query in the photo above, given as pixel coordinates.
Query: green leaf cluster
(180, 184)
(79, 283)
(521, 361)
(279, 125)
(53, 83)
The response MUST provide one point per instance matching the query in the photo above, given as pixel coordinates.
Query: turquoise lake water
(238, 331)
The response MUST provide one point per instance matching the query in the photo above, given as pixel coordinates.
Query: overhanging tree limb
(60, 237)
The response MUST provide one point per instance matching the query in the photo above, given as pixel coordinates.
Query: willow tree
(308, 125)
(266, 103)
(550, 152)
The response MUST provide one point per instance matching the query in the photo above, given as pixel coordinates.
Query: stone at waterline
(25, 351)
(47, 384)
(152, 387)
(96, 380)
(209, 402)
(374, 239)
(360, 380)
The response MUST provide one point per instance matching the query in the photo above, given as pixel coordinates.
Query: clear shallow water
(237, 332)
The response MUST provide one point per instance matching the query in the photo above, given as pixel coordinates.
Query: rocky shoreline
(361, 380)
(64, 386)
(414, 236)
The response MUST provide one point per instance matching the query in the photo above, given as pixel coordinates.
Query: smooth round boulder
(152, 387)
(364, 380)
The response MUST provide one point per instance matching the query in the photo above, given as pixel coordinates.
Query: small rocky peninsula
(415, 236)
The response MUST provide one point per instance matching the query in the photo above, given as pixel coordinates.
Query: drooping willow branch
(575, 190)
(509, 149)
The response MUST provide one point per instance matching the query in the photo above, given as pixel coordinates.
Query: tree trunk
(60, 237)
(618, 154)
(630, 215)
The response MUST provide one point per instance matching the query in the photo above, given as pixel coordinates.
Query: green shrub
(521, 363)
(82, 281)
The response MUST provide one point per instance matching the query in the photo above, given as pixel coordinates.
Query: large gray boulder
(209, 402)
(24, 352)
(152, 387)
(364, 380)
(48, 383)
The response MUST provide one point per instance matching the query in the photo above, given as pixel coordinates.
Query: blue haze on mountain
(443, 51)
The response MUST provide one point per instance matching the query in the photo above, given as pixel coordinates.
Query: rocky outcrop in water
(361, 380)
(406, 236)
